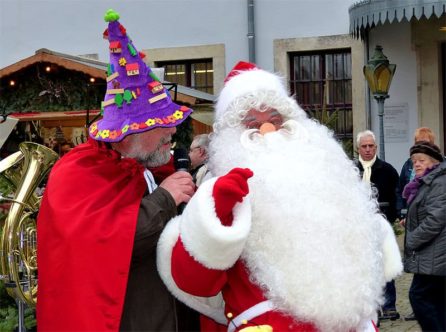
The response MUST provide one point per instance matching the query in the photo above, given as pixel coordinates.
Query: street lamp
(379, 74)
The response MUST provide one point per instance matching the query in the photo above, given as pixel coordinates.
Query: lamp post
(379, 73)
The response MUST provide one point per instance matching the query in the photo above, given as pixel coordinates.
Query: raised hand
(228, 190)
(180, 186)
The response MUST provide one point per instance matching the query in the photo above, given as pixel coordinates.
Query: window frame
(343, 127)
(188, 65)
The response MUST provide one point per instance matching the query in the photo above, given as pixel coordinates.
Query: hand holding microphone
(180, 184)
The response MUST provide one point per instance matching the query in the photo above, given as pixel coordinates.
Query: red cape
(86, 226)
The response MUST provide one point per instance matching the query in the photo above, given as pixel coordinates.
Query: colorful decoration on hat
(135, 100)
(132, 69)
(155, 86)
(115, 47)
(122, 62)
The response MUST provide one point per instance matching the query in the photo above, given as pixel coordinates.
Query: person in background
(407, 172)
(277, 241)
(425, 236)
(102, 212)
(198, 154)
(382, 176)
(63, 148)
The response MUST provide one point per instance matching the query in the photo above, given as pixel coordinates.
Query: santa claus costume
(285, 237)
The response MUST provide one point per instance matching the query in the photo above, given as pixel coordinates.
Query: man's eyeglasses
(194, 148)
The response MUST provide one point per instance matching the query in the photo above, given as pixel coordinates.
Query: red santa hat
(246, 78)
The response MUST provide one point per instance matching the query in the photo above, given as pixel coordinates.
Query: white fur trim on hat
(205, 238)
(246, 82)
(212, 307)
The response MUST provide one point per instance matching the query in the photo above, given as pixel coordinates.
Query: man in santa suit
(285, 237)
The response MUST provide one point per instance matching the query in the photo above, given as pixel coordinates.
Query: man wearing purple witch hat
(102, 212)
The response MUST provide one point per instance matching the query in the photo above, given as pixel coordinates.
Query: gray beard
(154, 159)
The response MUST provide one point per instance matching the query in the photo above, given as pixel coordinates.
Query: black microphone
(181, 162)
(181, 159)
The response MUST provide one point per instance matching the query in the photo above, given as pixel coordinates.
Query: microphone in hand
(181, 162)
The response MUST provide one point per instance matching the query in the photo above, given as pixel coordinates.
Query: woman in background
(407, 173)
(425, 237)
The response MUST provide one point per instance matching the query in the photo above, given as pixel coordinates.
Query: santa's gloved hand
(228, 190)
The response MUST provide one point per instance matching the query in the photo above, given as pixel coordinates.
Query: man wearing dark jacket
(384, 178)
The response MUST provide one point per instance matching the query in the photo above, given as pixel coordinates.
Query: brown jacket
(148, 305)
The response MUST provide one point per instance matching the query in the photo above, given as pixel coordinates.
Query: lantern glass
(369, 75)
(383, 75)
(379, 73)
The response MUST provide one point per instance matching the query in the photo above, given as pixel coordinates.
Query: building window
(322, 85)
(196, 74)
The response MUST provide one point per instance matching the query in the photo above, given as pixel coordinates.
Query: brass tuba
(23, 171)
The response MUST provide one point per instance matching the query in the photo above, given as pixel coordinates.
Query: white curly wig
(253, 89)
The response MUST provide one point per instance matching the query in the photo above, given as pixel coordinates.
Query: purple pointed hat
(135, 100)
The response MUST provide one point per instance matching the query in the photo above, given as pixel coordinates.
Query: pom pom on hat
(111, 16)
(243, 79)
(135, 100)
(427, 148)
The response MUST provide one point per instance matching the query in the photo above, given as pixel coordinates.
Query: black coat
(385, 179)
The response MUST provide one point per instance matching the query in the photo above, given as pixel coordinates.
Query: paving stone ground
(402, 284)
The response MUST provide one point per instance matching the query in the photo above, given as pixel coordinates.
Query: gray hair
(365, 133)
(202, 141)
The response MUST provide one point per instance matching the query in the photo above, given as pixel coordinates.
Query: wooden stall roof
(94, 68)
(98, 69)
(90, 67)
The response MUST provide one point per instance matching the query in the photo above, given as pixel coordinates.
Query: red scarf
(86, 228)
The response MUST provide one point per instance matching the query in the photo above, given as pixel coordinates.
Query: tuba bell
(23, 171)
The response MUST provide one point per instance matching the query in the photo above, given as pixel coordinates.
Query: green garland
(61, 90)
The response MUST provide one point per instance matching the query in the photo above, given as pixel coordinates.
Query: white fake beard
(314, 247)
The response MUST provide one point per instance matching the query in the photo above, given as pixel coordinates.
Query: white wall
(397, 47)
(279, 19)
(76, 26)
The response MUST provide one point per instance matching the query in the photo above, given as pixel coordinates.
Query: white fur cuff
(205, 238)
(209, 306)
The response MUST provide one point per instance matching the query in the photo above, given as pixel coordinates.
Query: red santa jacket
(199, 260)
(85, 228)
(205, 270)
